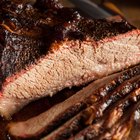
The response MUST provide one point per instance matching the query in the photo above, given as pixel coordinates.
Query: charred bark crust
(28, 28)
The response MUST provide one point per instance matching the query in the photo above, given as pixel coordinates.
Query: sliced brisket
(21, 40)
(23, 31)
(113, 115)
(87, 116)
(107, 90)
(124, 123)
(79, 50)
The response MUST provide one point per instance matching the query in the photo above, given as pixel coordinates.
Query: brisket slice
(23, 31)
(135, 133)
(96, 93)
(124, 123)
(24, 28)
(78, 54)
(87, 116)
(117, 121)
(79, 50)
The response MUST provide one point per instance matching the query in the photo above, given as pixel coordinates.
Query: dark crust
(19, 52)
(81, 28)
(64, 117)
(21, 38)
(125, 121)
(48, 4)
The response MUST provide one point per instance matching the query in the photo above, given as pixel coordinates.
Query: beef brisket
(105, 99)
(23, 31)
(117, 121)
(77, 50)
(86, 117)
(20, 37)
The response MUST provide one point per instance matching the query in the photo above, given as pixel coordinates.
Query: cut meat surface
(79, 50)
(74, 63)
(23, 31)
(83, 119)
(61, 112)
(93, 97)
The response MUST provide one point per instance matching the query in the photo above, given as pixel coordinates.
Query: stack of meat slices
(45, 47)
(108, 108)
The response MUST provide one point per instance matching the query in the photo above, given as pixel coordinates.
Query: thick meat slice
(81, 50)
(62, 112)
(23, 31)
(23, 28)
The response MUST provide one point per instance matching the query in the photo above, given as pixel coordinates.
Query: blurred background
(129, 8)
